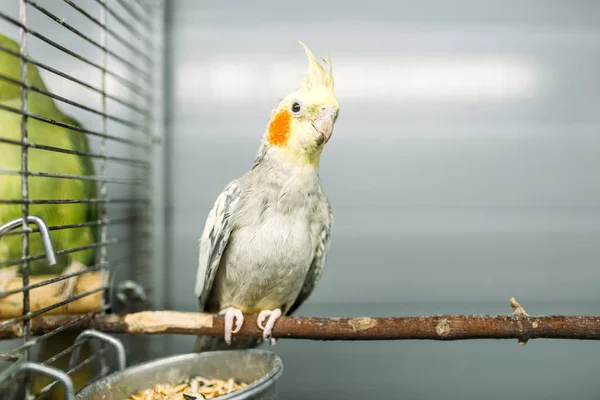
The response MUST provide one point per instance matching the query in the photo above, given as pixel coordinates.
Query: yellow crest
(318, 75)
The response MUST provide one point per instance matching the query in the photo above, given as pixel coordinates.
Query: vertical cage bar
(24, 163)
(158, 226)
(147, 214)
(141, 228)
(103, 184)
(24, 181)
(140, 270)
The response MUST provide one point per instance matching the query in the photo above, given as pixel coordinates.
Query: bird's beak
(324, 125)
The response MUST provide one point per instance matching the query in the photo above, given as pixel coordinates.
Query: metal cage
(102, 65)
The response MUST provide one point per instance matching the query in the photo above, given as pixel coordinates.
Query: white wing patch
(214, 240)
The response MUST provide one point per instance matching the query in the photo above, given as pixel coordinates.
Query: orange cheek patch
(279, 129)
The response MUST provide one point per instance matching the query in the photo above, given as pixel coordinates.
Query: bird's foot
(232, 314)
(271, 316)
(66, 287)
(6, 275)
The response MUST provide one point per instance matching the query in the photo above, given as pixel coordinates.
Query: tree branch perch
(519, 326)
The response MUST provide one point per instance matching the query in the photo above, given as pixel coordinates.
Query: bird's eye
(296, 107)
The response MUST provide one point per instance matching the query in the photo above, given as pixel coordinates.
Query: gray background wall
(462, 171)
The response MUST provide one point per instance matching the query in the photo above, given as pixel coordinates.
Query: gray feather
(316, 268)
(214, 240)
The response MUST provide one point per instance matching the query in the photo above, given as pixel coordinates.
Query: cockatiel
(45, 188)
(266, 238)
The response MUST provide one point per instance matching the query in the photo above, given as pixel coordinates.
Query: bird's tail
(209, 343)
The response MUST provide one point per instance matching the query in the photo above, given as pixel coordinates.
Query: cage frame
(147, 22)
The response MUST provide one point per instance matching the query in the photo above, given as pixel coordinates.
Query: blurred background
(462, 171)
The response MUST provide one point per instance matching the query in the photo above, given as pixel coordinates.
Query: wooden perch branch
(519, 326)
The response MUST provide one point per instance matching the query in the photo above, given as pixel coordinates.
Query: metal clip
(41, 224)
(53, 373)
(92, 333)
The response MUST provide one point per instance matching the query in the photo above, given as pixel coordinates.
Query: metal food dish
(259, 368)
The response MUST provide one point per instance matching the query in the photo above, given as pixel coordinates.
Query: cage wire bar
(138, 27)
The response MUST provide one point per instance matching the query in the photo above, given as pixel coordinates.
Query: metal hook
(130, 291)
(120, 349)
(41, 224)
(53, 373)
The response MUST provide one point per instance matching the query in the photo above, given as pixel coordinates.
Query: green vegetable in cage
(56, 173)
(44, 189)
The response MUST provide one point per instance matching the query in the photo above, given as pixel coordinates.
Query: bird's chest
(265, 263)
(275, 244)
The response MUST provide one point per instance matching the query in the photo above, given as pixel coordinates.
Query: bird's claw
(271, 316)
(232, 314)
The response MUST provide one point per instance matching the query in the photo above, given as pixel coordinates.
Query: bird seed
(197, 388)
